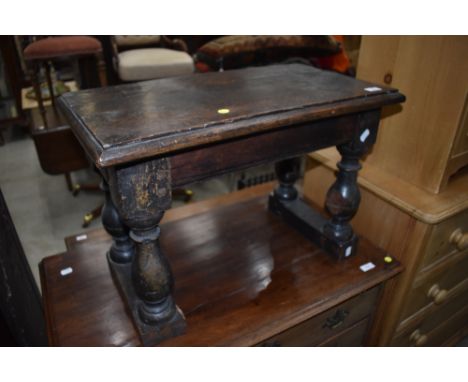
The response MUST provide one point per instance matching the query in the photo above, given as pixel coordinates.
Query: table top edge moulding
(123, 123)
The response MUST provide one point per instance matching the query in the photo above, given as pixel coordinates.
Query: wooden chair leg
(34, 72)
(92, 215)
(183, 194)
(69, 181)
(50, 84)
(75, 188)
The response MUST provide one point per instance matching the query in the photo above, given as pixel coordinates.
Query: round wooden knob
(418, 338)
(437, 294)
(460, 239)
(388, 78)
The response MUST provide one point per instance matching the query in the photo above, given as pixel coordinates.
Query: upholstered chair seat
(152, 63)
(62, 46)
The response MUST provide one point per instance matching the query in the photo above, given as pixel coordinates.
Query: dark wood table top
(123, 123)
(242, 275)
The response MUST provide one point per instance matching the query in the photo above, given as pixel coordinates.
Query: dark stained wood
(242, 276)
(134, 121)
(215, 159)
(335, 235)
(141, 194)
(328, 324)
(122, 249)
(354, 336)
(147, 138)
(58, 150)
(21, 314)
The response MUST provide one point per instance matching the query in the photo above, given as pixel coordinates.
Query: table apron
(237, 154)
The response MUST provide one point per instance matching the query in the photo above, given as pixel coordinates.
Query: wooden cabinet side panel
(431, 71)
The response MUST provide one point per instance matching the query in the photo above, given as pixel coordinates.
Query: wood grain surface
(241, 276)
(133, 121)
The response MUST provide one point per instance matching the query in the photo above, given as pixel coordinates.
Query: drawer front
(448, 237)
(436, 287)
(328, 324)
(434, 320)
(428, 335)
(353, 336)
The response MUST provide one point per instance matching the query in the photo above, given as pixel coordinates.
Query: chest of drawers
(248, 279)
(428, 303)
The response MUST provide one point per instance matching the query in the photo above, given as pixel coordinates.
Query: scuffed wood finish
(233, 292)
(141, 193)
(235, 154)
(123, 123)
(149, 137)
(335, 235)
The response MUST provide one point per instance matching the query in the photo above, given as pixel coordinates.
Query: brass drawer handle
(437, 294)
(418, 338)
(336, 320)
(460, 239)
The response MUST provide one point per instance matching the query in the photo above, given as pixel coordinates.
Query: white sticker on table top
(348, 251)
(81, 237)
(364, 135)
(367, 266)
(373, 89)
(66, 271)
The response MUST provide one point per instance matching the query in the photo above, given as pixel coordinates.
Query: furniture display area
(57, 148)
(190, 128)
(414, 201)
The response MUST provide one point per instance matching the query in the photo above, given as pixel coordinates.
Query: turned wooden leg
(287, 172)
(334, 235)
(141, 193)
(122, 249)
(343, 197)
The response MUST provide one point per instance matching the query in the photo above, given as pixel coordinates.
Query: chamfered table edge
(169, 143)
